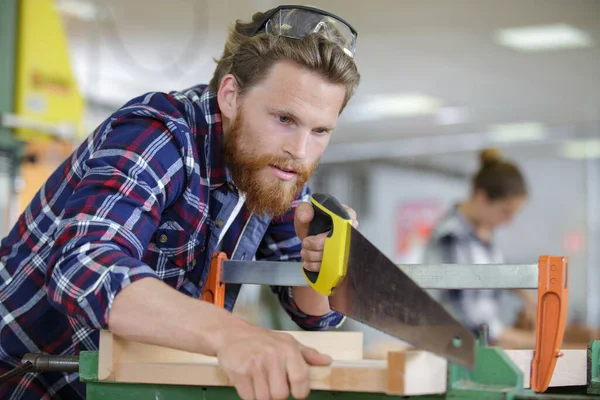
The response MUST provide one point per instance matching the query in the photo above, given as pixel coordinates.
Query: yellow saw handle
(330, 216)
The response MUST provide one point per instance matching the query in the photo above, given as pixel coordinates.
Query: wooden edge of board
(415, 372)
(396, 372)
(105, 356)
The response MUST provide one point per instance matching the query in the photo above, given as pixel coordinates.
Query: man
(120, 236)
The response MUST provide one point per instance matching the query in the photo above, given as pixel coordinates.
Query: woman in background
(465, 235)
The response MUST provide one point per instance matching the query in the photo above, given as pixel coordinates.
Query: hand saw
(363, 284)
(404, 310)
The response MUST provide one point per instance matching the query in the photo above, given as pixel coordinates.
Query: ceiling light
(452, 115)
(582, 149)
(517, 132)
(405, 105)
(543, 38)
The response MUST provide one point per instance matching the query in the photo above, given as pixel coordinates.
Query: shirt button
(194, 262)
(230, 186)
(201, 283)
(219, 223)
(163, 238)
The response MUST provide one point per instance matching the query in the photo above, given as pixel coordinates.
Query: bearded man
(120, 236)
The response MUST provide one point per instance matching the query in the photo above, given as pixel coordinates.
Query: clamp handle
(553, 294)
(214, 289)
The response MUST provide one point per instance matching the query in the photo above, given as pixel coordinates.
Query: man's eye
(283, 119)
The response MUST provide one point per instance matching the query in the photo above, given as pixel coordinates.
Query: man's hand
(313, 246)
(260, 363)
(307, 299)
(263, 364)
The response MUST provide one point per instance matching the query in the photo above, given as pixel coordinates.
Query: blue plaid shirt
(146, 195)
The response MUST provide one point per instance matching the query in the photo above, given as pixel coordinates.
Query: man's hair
(499, 179)
(250, 58)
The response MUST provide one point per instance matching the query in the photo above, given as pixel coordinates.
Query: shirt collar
(213, 142)
(454, 224)
(464, 227)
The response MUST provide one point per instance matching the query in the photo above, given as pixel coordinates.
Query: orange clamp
(214, 289)
(553, 296)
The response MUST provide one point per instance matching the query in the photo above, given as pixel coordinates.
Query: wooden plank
(410, 372)
(570, 370)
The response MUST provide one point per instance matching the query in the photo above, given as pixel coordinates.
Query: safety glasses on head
(299, 21)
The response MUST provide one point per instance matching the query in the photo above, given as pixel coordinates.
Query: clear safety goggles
(297, 22)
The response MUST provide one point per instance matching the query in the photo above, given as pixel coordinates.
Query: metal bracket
(494, 377)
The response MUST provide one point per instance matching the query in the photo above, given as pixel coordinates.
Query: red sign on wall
(415, 219)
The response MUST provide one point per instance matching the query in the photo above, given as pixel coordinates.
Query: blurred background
(441, 80)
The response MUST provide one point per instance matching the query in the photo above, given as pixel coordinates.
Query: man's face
(278, 131)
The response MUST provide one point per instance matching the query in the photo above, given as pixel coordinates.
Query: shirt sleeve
(132, 172)
(281, 243)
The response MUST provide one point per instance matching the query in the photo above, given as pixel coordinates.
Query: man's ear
(227, 96)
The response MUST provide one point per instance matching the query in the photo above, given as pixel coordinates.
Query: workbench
(128, 370)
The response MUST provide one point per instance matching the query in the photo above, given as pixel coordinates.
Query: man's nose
(296, 144)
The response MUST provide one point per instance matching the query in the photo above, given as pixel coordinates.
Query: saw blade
(377, 293)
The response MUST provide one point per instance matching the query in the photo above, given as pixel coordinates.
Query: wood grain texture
(339, 345)
(409, 372)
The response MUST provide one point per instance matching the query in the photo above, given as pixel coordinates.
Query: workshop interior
(443, 84)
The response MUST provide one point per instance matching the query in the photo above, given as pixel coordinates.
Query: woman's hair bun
(490, 156)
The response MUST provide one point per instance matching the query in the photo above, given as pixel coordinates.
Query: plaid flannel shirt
(454, 241)
(146, 195)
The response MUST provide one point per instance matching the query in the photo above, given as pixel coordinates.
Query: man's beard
(270, 198)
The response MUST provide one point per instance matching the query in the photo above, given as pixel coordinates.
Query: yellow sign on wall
(46, 90)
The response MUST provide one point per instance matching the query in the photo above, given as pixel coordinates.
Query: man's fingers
(260, 383)
(352, 215)
(278, 383)
(312, 266)
(243, 386)
(311, 256)
(302, 217)
(350, 212)
(315, 243)
(312, 251)
(298, 375)
(313, 357)
(304, 212)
